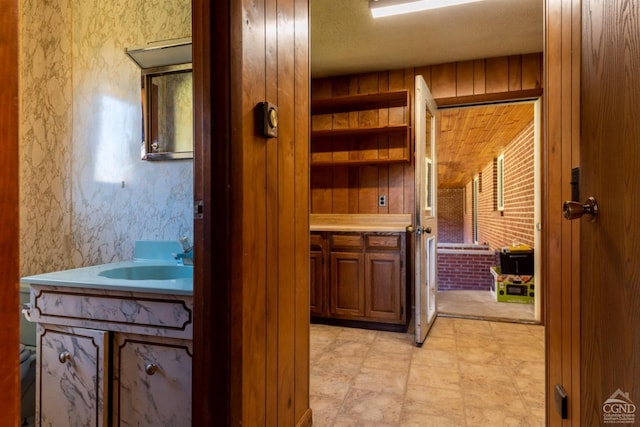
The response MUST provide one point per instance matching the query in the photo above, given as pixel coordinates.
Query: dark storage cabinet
(359, 276)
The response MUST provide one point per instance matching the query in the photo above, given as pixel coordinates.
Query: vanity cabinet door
(71, 385)
(151, 381)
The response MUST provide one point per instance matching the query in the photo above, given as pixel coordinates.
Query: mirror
(167, 110)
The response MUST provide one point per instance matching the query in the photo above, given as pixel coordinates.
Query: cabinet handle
(64, 356)
(150, 368)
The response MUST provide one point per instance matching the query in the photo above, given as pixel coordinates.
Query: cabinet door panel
(71, 384)
(152, 381)
(316, 285)
(347, 284)
(383, 274)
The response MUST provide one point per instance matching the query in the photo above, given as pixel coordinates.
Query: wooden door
(426, 220)
(610, 246)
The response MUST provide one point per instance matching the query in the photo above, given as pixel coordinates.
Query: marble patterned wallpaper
(85, 194)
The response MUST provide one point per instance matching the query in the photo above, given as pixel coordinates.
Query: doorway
(489, 199)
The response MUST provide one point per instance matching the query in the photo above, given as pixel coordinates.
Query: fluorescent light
(381, 8)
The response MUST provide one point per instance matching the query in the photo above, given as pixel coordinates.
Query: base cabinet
(365, 277)
(112, 358)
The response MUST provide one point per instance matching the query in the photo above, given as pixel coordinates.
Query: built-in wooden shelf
(369, 101)
(358, 162)
(378, 130)
(361, 102)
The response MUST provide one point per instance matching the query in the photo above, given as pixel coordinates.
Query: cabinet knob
(151, 368)
(64, 356)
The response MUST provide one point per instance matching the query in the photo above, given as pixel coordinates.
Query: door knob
(427, 230)
(574, 210)
(412, 229)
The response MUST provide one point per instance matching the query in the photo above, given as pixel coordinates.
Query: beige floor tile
(447, 377)
(497, 396)
(335, 386)
(336, 364)
(393, 343)
(381, 380)
(344, 347)
(373, 406)
(349, 421)
(478, 374)
(355, 334)
(483, 417)
(416, 419)
(431, 401)
(388, 361)
(324, 409)
(468, 373)
(440, 343)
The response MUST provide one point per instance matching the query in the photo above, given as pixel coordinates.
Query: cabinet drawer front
(346, 241)
(113, 311)
(316, 241)
(381, 241)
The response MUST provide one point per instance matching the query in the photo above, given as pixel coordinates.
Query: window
(428, 185)
(474, 202)
(499, 199)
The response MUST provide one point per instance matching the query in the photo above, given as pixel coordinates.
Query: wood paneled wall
(251, 284)
(356, 189)
(561, 257)
(482, 80)
(9, 224)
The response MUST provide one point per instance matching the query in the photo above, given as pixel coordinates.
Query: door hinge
(198, 209)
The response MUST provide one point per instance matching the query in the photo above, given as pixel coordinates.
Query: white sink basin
(149, 272)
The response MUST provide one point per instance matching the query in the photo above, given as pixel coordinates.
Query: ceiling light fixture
(381, 8)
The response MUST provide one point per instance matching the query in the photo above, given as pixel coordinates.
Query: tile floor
(467, 373)
(482, 304)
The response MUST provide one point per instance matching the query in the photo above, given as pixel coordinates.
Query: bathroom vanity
(114, 344)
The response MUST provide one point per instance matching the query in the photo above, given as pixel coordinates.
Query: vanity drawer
(114, 311)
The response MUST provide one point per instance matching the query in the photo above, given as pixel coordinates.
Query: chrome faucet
(186, 257)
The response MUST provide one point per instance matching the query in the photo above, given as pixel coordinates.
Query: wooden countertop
(359, 222)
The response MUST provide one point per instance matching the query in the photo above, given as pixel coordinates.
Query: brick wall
(515, 223)
(465, 267)
(451, 215)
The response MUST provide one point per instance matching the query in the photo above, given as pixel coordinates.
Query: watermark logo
(619, 409)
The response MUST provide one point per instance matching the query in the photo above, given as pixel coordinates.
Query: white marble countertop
(89, 277)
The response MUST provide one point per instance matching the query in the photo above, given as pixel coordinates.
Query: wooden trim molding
(487, 98)
(9, 219)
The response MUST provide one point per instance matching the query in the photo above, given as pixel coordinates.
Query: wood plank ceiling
(471, 137)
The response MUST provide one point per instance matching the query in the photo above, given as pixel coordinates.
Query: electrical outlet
(382, 200)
